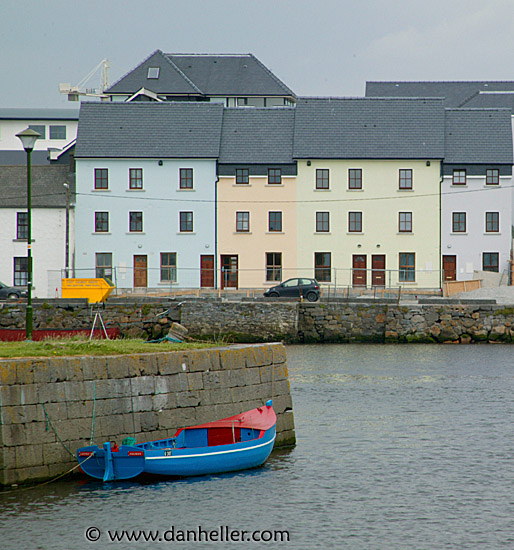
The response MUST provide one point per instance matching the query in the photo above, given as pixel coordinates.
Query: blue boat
(235, 443)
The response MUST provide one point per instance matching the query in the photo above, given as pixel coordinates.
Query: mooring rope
(49, 423)
(18, 489)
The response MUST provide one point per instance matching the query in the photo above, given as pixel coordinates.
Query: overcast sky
(316, 47)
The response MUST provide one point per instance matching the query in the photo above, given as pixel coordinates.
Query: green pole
(29, 313)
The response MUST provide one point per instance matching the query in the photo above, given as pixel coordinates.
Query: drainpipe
(216, 228)
(441, 178)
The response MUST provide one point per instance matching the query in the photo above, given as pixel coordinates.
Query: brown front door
(359, 270)
(229, 271)
(207, 271)
(140, 272)
(378, 264)
(449, 268)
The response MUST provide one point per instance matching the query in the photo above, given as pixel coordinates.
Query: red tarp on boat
(261, 418)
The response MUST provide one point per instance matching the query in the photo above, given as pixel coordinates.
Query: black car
(294, 288)
(12, 292)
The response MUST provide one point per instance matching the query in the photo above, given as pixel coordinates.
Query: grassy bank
(74, 346)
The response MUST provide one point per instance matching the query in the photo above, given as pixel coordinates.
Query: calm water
(399, 447)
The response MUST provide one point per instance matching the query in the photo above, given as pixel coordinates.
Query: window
(458, 222)
(168, 267)
(186, 222)
(322, 178)
(355, 222)
(101, 178)
(21, 271)
(57, 132)
(492, 222)
(242, 176)
(490, 261)
(322, 222)
(492, 177)
(101, 222)
(135, 222)
(273, 266)
(242, 222)
(135, 178)
(40, 129)
(186, 178)
(153, 72)
(407, 267)
(322, 266)
(459, 177)
(405, 222)
(406, 179)
(354, 178)
(22, 226)
(274, 176)
(103, 265)
(275, 221)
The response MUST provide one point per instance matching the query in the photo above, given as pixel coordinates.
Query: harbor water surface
(398, 447)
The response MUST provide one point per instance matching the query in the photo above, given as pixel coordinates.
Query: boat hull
(211, 460)
(236, 443)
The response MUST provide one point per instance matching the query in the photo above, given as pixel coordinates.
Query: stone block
(233, 358)
(279, 353)
(215, 379)
(195, 380)
(252, 376)
(169, 363)
(204, 360)
(282, 403)
(188, 399)
(94, 368)
(143, 385)
(285, 422)
(239, 377)
(142, 403)
(258, 356)
(32, 473)
(80, 391)
(108, 389)
(8, 372)
(80, 409)
(55, 453)
(22, 414)
(29, 455)
(149, 421)
(117, 367)
(74, 369)
(164, 401)
(281, 387)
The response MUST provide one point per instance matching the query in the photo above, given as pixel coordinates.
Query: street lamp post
(28, 138)
(67, 254)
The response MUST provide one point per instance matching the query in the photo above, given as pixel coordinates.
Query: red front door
(140, 271)
(359, 270)
(449, 268)
(207, 271)
(378, 264)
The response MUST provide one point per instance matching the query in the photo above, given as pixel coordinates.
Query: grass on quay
(62, 347)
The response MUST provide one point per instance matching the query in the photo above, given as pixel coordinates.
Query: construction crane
(74, 92)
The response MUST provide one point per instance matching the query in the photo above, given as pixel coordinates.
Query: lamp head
(28, 138)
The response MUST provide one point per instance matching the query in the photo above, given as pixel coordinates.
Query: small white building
(52, 202)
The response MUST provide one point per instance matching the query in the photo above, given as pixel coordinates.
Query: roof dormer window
(153, 72)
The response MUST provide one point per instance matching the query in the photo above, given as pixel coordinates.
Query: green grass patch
(63, 347)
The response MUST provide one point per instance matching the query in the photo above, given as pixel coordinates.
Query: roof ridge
(268, 71)
(210, 54)
(132, 70)
(181, 73)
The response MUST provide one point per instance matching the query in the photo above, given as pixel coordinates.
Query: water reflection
(397, 447)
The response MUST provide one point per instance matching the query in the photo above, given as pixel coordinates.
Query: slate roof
(19, 158)
(39, 114)
(478, 136)
(455, 94)
(202, 75)
(374, 128)
(46, 183)
(257, 136)
(491, 100)
(149, 130)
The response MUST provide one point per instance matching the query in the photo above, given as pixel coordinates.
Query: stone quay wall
(397, 324)
(286, 321)
(49, 407)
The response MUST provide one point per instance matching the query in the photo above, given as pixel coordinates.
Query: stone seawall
(49, 407)
(397, 324)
